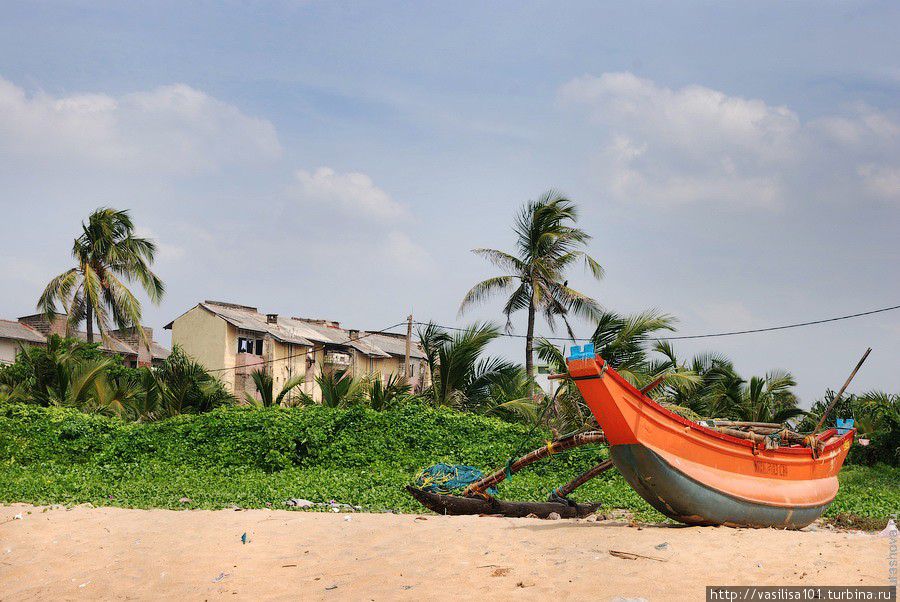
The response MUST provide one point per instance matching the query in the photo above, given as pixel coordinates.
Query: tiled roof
(20, 332)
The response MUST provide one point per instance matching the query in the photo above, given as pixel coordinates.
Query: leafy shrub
(250, 457)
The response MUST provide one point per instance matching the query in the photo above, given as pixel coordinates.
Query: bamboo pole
(841, 392)
(774, 425)
(552, 447)
(583, 478)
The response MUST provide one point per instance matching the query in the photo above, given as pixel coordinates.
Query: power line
(700, 336)
(309, 350)
(785, 327)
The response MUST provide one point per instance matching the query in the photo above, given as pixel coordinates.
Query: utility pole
(406, 366)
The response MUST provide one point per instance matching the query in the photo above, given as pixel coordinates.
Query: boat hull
(691, 502)
(698, 475)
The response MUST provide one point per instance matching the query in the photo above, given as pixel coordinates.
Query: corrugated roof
(158, 352)
(19, 332)
(310, 332)
(396, 345)
(111, 344)
(247, 318)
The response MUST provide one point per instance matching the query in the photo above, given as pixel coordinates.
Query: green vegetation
(69, 373)
(461, 377)
(877, 420)
(251, 456)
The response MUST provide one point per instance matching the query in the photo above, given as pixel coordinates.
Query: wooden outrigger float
(476, 500)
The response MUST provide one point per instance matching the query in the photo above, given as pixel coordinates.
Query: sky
(737, 164)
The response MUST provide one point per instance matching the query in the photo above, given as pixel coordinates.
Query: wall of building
(365, 366)
(8, 350)
(206, 338)
(288, 361)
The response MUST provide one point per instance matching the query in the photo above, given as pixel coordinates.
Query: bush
(252, 457)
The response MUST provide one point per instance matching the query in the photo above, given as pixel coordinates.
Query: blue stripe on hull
(686, 500)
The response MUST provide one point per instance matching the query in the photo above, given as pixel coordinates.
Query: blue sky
(736, 163)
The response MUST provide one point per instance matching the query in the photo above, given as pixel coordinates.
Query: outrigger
(699, 473)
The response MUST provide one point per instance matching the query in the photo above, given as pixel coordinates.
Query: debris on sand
(634, 556)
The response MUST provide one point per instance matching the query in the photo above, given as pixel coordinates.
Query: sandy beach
(90, 553)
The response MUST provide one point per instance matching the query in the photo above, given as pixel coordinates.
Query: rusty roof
(310, 332)
(20, 332)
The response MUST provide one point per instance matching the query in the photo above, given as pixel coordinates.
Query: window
(254, 346)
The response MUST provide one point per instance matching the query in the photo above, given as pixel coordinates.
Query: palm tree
(548, 243)
(625, 342)
(106, 252)
(265, 386)
(460, 377)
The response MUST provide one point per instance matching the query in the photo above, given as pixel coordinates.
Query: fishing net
(448, 478)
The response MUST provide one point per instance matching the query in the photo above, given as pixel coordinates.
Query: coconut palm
(107, 256)
(766, 399)
(265, 387)
(711, 386)
(625, 342)
(185, 387)
(129, 397)
(388, 393)
(547, 245)
(460, 376)
(47, 369)
(76, 383)
(339, 390)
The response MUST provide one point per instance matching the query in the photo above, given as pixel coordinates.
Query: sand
(92, 553)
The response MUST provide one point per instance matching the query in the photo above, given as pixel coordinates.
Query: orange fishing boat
(701, 476)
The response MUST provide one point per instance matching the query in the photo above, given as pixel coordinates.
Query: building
(542, 374)
(34, 330)
(235, 340)
(14, 336)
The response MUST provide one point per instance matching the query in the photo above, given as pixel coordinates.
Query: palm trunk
(529, 346)
(89, 316)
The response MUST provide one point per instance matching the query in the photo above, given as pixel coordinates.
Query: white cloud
(352, 193)
(399, 249)
(666, 146)
(881, 181)
(173, 128)
(165, 251)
